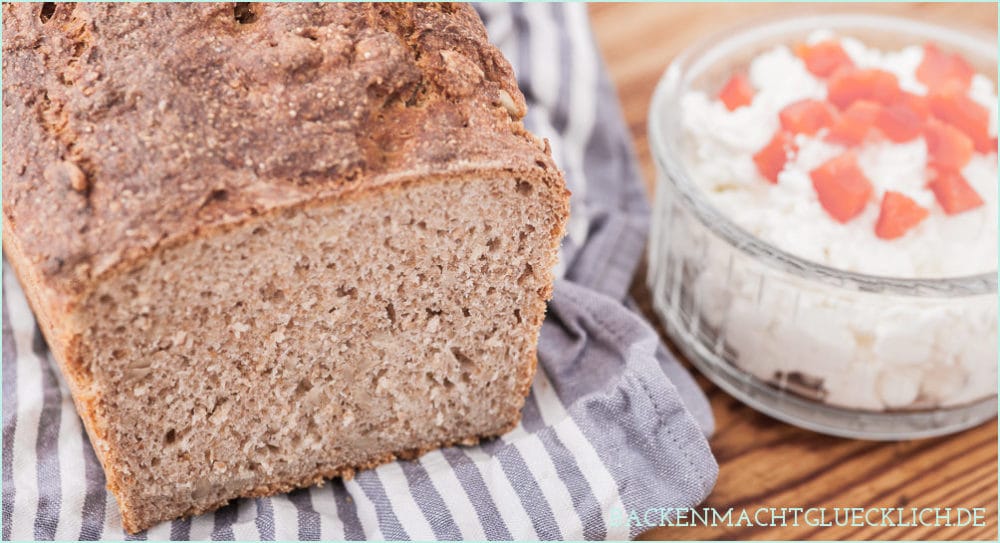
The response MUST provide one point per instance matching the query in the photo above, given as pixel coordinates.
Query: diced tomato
(854, 125)
(737, 92)
(899, 122)
(823, 58)
(807, 116)
(898, 215)
(965, 114)
(943, 72)
(947, 146)
(772, 158)
(916, 103)
(842, 187)
(954, 193)
(851, 84)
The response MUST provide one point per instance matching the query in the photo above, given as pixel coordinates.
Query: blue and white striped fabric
(612, 422)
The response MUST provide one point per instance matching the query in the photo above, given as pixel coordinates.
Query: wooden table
(763, 462)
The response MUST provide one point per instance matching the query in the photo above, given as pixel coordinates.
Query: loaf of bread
(272, 244)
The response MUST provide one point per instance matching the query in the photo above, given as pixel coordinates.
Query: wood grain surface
(763, 462)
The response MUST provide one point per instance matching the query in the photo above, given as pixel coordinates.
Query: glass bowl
(837, 352)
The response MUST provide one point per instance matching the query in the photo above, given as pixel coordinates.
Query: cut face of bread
(318, 340)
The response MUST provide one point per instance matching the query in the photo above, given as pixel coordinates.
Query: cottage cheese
(788, 214)
(850, 348)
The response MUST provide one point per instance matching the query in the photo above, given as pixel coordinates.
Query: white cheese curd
(720, 158)
(859, 349)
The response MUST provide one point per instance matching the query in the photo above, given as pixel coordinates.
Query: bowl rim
(673, 171)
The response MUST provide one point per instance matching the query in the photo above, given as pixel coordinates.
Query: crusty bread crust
(140, 124)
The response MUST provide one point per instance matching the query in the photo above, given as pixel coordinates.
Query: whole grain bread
(272, 244)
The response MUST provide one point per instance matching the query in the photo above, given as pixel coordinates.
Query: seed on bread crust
(66, 173)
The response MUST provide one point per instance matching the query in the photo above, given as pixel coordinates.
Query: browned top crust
(130, 125)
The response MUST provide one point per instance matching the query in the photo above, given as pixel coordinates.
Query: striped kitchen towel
(613, 423)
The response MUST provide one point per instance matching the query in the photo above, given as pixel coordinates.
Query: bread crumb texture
(272, 244)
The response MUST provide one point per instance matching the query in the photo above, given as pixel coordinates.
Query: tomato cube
(947, 146)
(943, 72)
(916, 103)
(851, 84)
(807, 116)
(954, 193)
(772, 158)
(899, 122)
(823, 58)
(898, 215)
(841, 186)
(965, 114)
(855, 124)
(737, 92)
